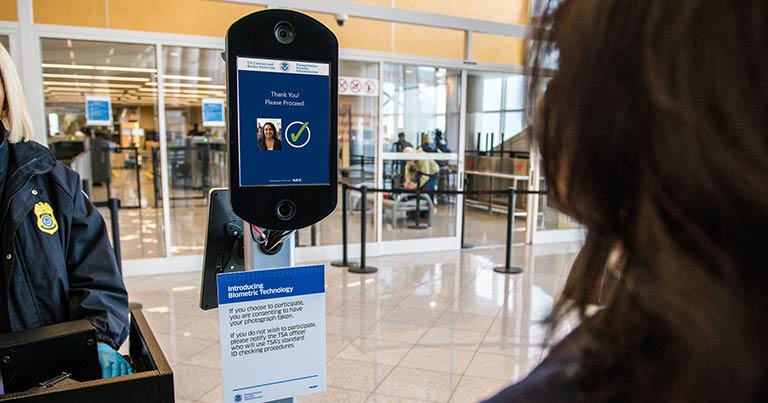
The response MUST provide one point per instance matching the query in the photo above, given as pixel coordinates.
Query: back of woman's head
(13, 112)
(654, 133)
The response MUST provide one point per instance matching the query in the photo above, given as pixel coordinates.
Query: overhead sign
(367, 87)
(98, 110)
(213, 112)
(272, 325)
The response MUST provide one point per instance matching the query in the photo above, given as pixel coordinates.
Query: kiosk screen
(283, 121)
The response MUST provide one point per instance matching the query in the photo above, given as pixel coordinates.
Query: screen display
(284, 122)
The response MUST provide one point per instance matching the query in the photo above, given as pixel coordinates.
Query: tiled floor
(436, 327)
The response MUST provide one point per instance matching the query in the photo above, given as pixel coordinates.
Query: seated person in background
(440, 142)
(57, 260)
(654, 135)
(401, 143)
(195, 131)
(271, 140)
(426, 143)
(421, 174)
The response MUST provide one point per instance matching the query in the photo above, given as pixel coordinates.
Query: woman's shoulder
(554, 381)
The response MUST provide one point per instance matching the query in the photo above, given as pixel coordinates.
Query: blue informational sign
(98, 110)
(272, 325)
(284, 122)
(213, 112)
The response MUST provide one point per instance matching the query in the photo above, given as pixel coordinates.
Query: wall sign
(364, 87)
(98, 110)
(213, 112)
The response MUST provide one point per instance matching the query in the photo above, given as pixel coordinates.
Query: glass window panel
(494, 117)
(492, 94)
(513, 124)
(123, 164)
(514, 93)
(428, 117)
(358, 134)
(198, 155)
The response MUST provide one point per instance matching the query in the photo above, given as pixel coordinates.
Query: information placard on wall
(213, 112)
(272, 325)
(98, 110)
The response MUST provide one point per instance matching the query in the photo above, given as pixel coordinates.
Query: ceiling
(128, 73)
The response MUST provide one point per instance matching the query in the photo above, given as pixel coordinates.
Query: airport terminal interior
(443, 78)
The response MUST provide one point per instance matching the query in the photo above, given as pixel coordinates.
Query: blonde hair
(13, 113)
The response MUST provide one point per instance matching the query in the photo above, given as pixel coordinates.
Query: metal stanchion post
(114, 207)
(138, 176)
(508, 268)
(464, 245)
(344, 238)
(362, 268)
(417, 218)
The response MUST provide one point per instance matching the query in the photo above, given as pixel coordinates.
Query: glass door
(198, 152)
(118, 161)
(420, 139)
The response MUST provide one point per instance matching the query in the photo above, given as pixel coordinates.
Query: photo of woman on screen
(271, 139)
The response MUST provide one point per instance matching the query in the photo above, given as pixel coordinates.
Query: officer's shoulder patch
(46, 222)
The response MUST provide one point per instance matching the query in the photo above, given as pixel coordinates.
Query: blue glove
(112, 363)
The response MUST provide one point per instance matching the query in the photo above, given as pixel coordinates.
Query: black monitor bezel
(253, 37)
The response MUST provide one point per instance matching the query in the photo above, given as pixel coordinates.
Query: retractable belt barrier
(362, 267)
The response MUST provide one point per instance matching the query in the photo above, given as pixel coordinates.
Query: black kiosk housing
(291, 38)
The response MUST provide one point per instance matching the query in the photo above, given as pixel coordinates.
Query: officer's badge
(46, 222)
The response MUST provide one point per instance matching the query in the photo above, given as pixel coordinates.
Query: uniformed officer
(57, 262)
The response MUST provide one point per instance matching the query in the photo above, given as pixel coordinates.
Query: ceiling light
(72, 54)
(191, 78)
(105, 68)
(183, 96)
(189, 85)
(70, 89)
(111, 51)
(69, 43)
(104, 78)
(77, 84)
(175, 54)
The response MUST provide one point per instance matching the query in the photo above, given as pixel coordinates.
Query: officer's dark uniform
(57, 262)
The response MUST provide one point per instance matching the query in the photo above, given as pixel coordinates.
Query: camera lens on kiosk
(284, 32)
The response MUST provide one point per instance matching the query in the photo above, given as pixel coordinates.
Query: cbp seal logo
(46, 222)
(285, 66)
(238, 398)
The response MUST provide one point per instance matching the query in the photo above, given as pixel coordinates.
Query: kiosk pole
(255, 259)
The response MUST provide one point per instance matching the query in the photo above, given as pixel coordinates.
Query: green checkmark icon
(295, 136)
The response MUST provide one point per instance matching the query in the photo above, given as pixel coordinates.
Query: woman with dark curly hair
(654, 134)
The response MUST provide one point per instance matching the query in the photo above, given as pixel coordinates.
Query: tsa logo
(285, 66)
(238, 398)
